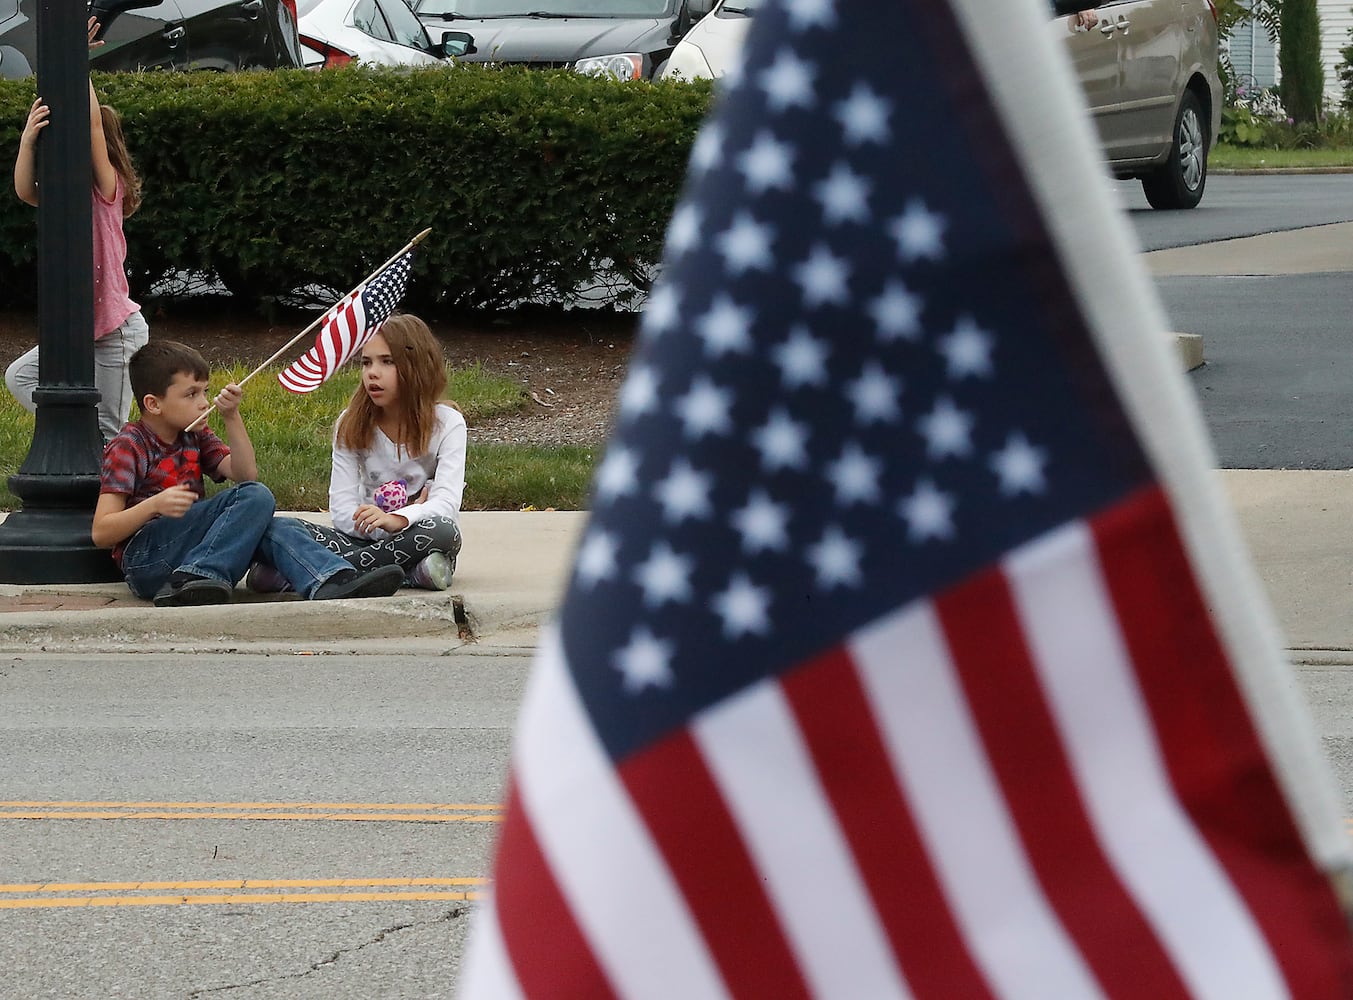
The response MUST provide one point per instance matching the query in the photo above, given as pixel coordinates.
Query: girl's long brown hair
(121, 159)
(422, 380)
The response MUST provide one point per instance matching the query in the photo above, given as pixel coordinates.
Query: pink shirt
(112, 297)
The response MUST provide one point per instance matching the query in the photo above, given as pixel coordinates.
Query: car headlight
(622, 66)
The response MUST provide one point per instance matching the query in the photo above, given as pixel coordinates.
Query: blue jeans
(220, 537)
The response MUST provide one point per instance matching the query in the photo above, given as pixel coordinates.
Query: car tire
(1179, 181)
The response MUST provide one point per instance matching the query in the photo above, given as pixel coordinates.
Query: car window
(404, 24)
(8, 9)
(367, 18)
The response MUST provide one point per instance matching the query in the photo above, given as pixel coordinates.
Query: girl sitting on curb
(398, 464)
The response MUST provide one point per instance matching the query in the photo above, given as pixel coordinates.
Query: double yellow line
(347, 812)
(50, 895)
(53, 895)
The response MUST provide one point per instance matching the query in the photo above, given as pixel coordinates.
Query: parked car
(386, 32)
(1149, 72)
(169, 34)
(1148, 69)
(626, 39)
(711, 47)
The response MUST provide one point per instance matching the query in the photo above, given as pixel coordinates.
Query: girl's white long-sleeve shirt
(356, 475)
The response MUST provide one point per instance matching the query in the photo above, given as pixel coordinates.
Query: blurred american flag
(884, 669)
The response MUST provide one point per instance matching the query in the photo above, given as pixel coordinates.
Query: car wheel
(1179, 181)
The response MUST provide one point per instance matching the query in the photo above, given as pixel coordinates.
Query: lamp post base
(52, 546)
(47, 539)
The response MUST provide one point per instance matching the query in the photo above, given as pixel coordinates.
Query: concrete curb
(509, 580)
(1268, 171)
(283, 623)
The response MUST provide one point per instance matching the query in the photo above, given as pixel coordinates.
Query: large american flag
(909, 650)
(348, 325)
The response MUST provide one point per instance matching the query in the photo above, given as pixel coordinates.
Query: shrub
(534, 182)
(1303, 77)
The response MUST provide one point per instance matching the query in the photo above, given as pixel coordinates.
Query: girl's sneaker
(433, 572)
(264, 579)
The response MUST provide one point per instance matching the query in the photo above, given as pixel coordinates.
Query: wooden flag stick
(294, 340)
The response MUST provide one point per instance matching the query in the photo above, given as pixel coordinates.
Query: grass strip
(292, 434)
(1224, 157)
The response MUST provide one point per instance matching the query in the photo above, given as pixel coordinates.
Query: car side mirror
(457, 43)
(696, 9)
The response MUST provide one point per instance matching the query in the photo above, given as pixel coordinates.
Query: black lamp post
(47, 541)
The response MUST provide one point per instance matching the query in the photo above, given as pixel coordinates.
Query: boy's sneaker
(432, 572)
(380, 582)
(265, 579)
(186, 590)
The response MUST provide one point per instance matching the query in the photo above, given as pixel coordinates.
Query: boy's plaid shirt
(138, 465)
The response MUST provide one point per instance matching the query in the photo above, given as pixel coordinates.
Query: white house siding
(1336, 18)
(1253, 55)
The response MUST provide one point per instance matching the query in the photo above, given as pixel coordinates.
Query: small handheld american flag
(348, 325)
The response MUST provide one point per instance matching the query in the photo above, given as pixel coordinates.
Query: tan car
(1149, 71)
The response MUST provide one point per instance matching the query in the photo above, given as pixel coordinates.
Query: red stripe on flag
(834, 715)
(547, 950)
(1002, 688)
(1216, 762)
(686, 816)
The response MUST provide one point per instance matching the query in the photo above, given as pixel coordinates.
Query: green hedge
(533, 182)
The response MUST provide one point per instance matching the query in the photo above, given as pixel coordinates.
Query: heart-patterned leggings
(407, 548)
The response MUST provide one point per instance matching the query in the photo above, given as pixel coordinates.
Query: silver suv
(1149, 72)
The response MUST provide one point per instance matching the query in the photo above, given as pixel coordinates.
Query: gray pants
(111, 354)
(406, 548)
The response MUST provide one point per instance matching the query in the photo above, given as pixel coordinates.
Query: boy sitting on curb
(170, 543)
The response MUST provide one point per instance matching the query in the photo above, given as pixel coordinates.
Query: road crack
(337, 956)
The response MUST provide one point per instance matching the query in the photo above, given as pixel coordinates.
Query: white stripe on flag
(752, 747)
(487, 971)
(598, 848)
(340, 334)
(1010, 927)
(1108, 737)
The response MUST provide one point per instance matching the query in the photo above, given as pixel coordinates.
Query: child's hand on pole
(228, 402)
(37, 121)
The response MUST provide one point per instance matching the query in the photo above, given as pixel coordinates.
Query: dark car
(627, 39)
(222, 35)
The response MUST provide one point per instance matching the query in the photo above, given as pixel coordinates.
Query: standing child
(119, 327)
(398, 463)
(173, 545)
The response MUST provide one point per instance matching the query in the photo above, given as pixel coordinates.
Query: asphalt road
(1277, 389)
(174, 826)
(1242, 205)
(200, 742)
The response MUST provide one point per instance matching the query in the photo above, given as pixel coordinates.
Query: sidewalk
(511, 574)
